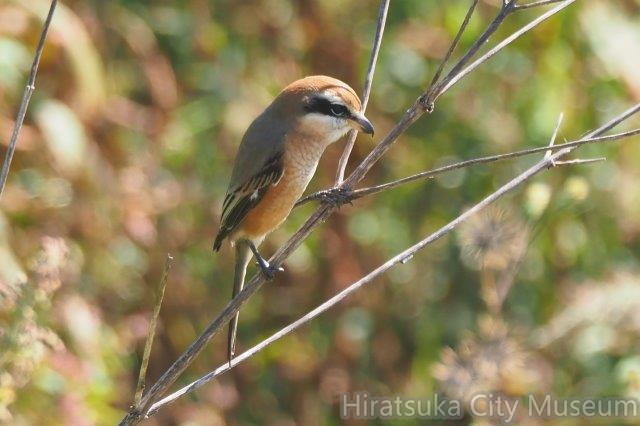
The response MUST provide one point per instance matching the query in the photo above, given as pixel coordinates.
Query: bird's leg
(336, 196)
(267, 269)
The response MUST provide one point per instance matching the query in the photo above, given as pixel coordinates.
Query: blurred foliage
(125, 157)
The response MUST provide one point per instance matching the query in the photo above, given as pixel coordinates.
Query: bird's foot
(336, 196)
(268, 270)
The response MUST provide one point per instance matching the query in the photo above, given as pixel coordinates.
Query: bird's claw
(269, 271)
(337, 196)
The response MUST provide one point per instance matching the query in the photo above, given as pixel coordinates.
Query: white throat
(323, 129)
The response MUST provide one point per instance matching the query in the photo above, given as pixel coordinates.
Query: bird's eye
(339, 110)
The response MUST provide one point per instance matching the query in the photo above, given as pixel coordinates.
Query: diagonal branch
(368, 81)
(26, 97)
(359, 193)
(545, 163)
(454, 43)
(536, 4)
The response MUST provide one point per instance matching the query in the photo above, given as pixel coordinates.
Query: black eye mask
(323, 106)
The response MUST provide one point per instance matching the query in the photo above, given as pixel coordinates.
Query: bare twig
(429, 174)
(368, 81)
(402, 257)
(454, 44)
(152, 330)
(536, 4)
(319, 216)
(579, 161)
(614, 122)
(26, 97)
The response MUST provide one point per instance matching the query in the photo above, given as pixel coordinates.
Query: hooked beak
(364, 124)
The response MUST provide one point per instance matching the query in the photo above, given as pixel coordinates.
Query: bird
(277, 158)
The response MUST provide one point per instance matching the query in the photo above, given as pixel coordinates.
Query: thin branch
(579, 161)
(591, 137)
(536, 4)
(359, 193)
(403, 257)
(368, 81)
(26, 97)
(454, 44)
(152, 330)
(430, 174)
(614, 121)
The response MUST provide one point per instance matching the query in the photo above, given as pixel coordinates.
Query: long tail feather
(243, 255)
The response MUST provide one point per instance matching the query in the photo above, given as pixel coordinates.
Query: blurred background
(126, 154)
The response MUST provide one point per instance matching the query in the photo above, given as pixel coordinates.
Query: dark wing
(241, 199)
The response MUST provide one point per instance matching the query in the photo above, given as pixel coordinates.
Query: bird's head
(325, 107)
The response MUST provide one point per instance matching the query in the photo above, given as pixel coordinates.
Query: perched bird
(277, 157)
